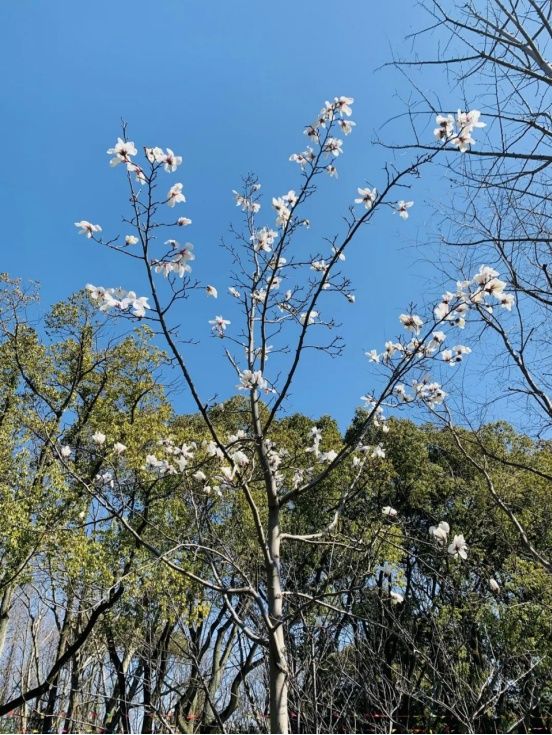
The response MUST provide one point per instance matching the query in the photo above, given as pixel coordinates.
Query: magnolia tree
(285, 293)
(498, 52)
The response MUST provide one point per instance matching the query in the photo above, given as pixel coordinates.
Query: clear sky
(229, 86)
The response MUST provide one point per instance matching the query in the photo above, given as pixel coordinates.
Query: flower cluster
(378, 419)
(178, 457)
(100, 439)
(118, 298)
(177, 262)
(264, 239)
(426, 391)
(331, 147)
(169, 160)
(253, 380)
(455, 354)
(458, 548)
(453, 307)
(458, 131)
(283, 206)
(246, 203)
(315, 450)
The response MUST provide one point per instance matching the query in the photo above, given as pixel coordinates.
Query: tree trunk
(277, 657)
(5, 606)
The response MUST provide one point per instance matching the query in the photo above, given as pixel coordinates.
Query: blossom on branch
(175, 195)
(252, 380)
(219, 325)
(412, 322)
(366, 197)
(458, 548)
(121, 152)
(402, 208)
(87, 228)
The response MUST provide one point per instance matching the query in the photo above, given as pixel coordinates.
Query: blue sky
(229, 86)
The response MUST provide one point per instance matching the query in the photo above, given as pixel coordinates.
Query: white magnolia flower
(264, 239)
(282, 211)
(170, 161)
(259, 295)
(283, 206)
(234, 292)
(343, 105)
(373, 356)
(463, 141)
(389, 512)
(131, 240)
(396, 598)
(430, 393)
(346, 126)
(312, 318)
(119, 448)
(228, 472)
(87, 228)
(239, 458)
(458, 548)
(186, 252)
(469, 120)
(402, 208)
(494, 287)
(333, 147)
(138, 306)
(507, 300)
(133, 168)
(219, 325)
(211, 291)
(122, 151)
(118, 298)
(247, 204)
(455, 354)
(445, 127)
(213, 450)
(377, 452)
(175, 195)
(252, 380)
(331, 170)
(98, 438)
(440, 533)
(200, 476)
(484, 275)
(66, 451)
(319, 265)
(367, 197)
(183, 221)
(155, 155)
(494, 586)
(390, 349)
(466, 122)
(412, 322)
(303, 158)
(177, 265)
